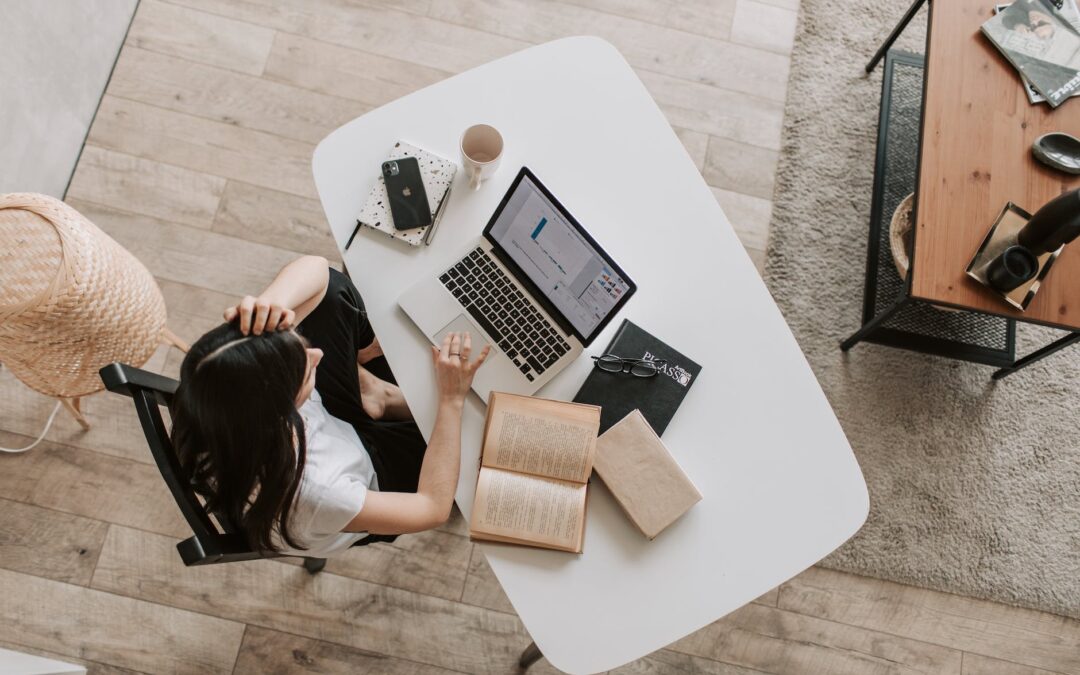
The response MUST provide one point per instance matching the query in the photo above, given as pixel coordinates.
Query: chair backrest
(150, 391)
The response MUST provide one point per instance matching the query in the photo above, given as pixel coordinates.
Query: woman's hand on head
(261, 314)
(454, 370)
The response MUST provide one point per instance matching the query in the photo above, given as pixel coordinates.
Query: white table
(781, 486)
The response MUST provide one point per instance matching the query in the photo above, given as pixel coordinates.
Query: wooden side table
(973, 151)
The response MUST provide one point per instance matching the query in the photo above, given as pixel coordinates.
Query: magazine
(1071, 13)
(1039, 42)
(1068, 10)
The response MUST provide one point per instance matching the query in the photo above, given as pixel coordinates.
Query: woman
(287, 433)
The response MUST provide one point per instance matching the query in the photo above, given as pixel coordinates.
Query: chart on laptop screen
(554, 255)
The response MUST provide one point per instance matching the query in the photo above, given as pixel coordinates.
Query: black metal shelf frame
(891, 316)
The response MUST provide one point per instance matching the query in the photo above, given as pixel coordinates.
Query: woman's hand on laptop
(453, 370)
(429, 506)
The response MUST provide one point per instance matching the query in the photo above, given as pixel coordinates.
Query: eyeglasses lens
(612, 364)
(643, 369)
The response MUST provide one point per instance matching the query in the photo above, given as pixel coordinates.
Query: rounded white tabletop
(781, 486)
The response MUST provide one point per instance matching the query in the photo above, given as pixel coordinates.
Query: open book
(535, 463)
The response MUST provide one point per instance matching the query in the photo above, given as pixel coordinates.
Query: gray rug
(974, 486)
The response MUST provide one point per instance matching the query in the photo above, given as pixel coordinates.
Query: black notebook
(656, 397)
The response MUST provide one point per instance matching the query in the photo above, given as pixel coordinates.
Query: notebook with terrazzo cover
(437, 173)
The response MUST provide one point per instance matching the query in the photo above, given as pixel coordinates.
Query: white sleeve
(337, 504)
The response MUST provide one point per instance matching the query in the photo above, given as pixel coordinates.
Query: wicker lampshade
(71, 299)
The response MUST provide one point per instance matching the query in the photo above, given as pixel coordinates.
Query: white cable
(44, 431)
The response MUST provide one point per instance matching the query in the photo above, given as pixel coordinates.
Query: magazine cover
(1041, 44)
(1068, 10)
(1071, 13)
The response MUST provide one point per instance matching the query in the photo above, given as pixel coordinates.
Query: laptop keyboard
(505, 313)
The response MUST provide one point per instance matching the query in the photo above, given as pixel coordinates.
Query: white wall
(55, 60)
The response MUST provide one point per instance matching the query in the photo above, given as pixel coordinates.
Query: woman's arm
(297, 289)
(429, 506)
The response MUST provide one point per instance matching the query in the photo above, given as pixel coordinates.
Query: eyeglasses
(636, 367)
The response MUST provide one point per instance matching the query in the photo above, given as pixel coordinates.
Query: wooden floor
(198, 162)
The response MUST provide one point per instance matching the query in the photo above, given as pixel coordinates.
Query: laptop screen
(554, 252)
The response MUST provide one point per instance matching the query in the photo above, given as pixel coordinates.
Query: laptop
(535, 287)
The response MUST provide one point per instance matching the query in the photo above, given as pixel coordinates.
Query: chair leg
(73, 407)
(314, 565)
(530, 656)
(173, 339)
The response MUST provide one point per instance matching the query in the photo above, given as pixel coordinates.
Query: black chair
(209, 545)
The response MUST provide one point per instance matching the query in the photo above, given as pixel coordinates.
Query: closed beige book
(645, 479)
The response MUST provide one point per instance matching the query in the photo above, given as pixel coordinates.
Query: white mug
(481, 150)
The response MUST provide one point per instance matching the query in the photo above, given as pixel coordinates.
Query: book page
(529, 508)
(553, 439)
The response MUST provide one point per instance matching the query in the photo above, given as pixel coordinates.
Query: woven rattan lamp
(72, 300)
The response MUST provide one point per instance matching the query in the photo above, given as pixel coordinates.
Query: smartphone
(405, 187)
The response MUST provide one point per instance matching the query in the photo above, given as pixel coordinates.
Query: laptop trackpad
(462, 324)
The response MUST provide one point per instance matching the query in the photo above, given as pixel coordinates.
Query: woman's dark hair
(236, 429)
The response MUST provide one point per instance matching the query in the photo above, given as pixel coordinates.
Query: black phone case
(405, 188)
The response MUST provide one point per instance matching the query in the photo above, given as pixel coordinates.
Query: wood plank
(777, 641)
(269, 652)
(375, 80)
(646, 46)
(325, 606)
(759, 24)
(92, 667)
(67, 619)
(793, 5)
(1009, 633)
(114, 427)
(204, 145)
(189, 255)
(749, 216)
(977, 135)
(665, 661)
(227, 96)
(757, 256)
(48, 543)
(696, 144)
(711, 18)
(740, 168)
(198, 36)
(145, 186)
(432, 562)
(482, 588)
(746, 118)
(93, 485)
(350, 73)
(975, 664)
(456, 523)
(270, 217)
(193, 310)
(769, 599)
(418, 7)
(402, 35)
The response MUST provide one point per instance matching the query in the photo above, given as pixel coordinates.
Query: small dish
(1058, 151)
